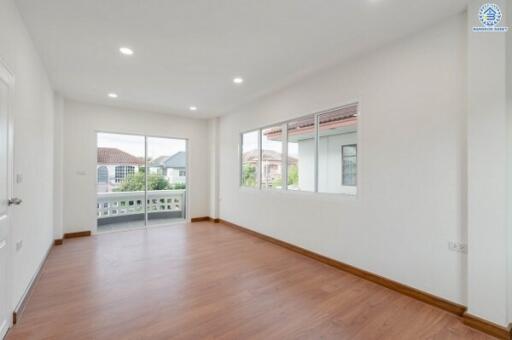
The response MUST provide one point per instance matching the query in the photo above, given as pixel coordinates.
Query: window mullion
(146, 181)
(316, 123)
(260, 157)
(284, 158)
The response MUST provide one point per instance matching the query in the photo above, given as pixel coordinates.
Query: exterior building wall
(111, 168)
(173, 175)
(329, 163)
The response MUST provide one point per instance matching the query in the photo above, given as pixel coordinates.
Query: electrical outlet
(19, 245)
(458, 247)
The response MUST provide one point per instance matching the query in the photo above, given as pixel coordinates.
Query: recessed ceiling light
(238, 80)
(193, 108)
(126, 51)
(112, 95)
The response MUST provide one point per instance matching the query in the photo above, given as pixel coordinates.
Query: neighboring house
(173, 167)
(113, 165)
(271, 164)
(337, 152)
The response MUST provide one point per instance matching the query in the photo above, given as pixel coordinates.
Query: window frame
(241, 161)
(284, 161)
(315, 160)
(124, 171)
(342, 169)
(284, 156)
(100, 174)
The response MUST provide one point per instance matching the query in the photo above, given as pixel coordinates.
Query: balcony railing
(125, 206)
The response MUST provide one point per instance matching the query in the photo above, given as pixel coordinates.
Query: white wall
(487, 172)
(82, 121)
(509, 154)
(33, 150)
(412, 132)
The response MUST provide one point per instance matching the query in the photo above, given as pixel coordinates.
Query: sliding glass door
(120, 181)
(140, 181)
(167, 179)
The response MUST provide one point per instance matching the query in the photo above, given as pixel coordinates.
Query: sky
(134, 144)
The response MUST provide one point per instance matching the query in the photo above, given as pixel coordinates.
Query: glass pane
(272, 157)
(167, 180)
(349, 165)
(301, 154)
(337, 151)
(250, 159)
(120, 182)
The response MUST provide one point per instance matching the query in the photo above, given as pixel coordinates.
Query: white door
(5, 186)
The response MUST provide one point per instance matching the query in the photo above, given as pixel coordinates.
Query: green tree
(178, 186)
(249, 175)
(135, 182)
(293, 174)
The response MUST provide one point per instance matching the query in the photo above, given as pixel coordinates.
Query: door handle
(14, 201)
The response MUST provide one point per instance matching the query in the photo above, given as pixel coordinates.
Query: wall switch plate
(19, 178)
(458, 247)
(19, 245)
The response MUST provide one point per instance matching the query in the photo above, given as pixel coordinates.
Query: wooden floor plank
(206, 280)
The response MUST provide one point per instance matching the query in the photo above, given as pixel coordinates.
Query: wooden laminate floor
(206, 280)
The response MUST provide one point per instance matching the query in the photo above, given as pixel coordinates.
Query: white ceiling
(188, 51)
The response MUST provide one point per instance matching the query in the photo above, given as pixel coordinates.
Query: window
(122, 171)
(250, 159)
(337, 140)
(272, 158)
(301, 154)
(102, 174)
(304, 154)
(349, 165)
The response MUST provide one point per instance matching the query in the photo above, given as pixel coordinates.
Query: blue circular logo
(489, 15)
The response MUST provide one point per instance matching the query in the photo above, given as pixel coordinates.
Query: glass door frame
(187, 162)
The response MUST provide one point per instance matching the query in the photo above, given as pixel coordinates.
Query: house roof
(267, 155)
(159, 161)
(116, 156)
(178, 160)
(336, 119)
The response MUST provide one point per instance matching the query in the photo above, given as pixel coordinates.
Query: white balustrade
(114, 204)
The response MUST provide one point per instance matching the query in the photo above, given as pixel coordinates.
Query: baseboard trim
(16, 314)
(199, 219)
(58, 242)
(396, 286)
(204, 219)
(77, 234)
(487, 326)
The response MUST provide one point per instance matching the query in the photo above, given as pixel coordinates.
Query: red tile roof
(345, 116)
(116, 156)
